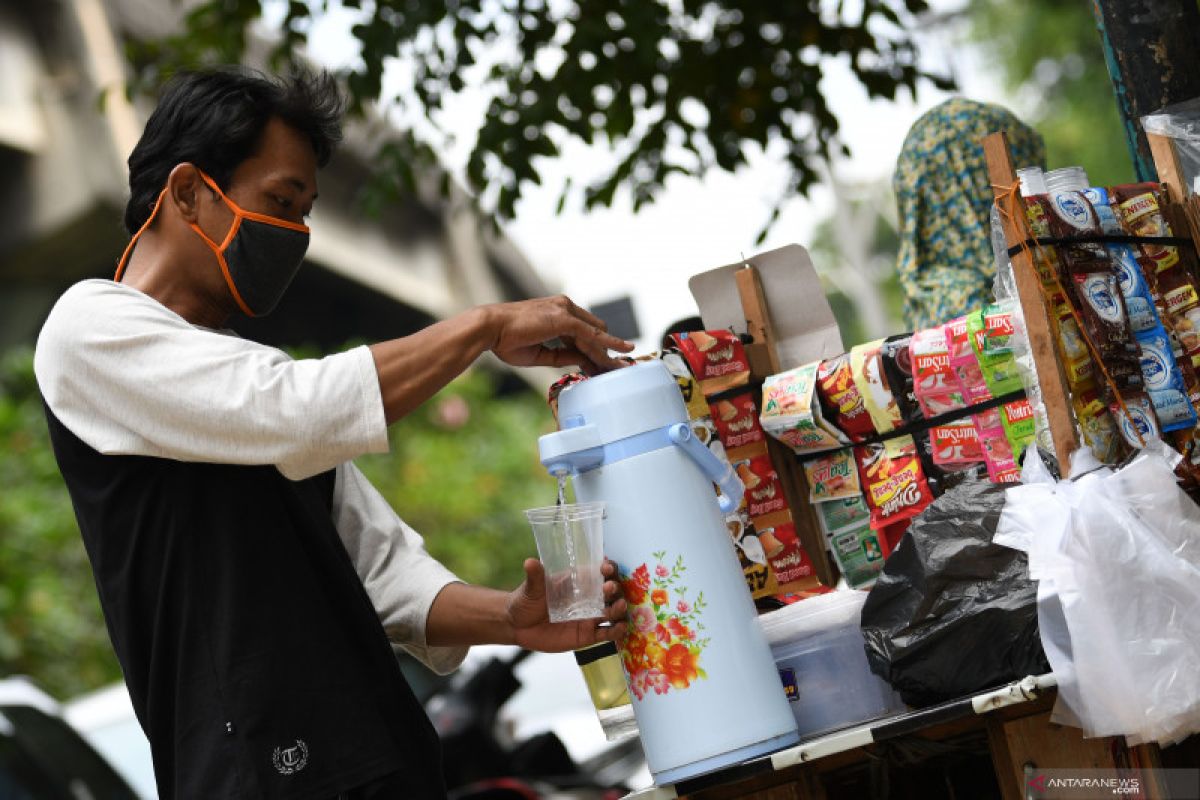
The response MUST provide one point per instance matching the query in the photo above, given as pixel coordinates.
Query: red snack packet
(736, 419)
(791, 563)
(841, 397)
(956, 443)
(764, 491)
(893, 482)
(716, 358)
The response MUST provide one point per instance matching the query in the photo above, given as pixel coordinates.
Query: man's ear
(184, 187)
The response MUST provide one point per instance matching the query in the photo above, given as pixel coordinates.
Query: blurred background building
(66, 129)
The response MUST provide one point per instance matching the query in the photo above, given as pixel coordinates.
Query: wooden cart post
(763, 355)
(1055, 396)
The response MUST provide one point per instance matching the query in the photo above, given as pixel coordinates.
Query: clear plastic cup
(570, 543)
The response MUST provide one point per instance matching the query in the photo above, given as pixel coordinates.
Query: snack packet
(1136, 423)
(997, 451)
(1139, 303)
(1097, 426)
(832, 477)
(1017, 420)
(838, 515)
(763, 489)
(892, 479)
(898, 370)
(736, 420)
(791, 413)
(998, 367)
(935, 384)
(1164, 382)
(756, 568)
(955, 443)
(716, 358)
(792, 564)
(693, 398)
(841, 397)
(866, 365)
(859, 556)
(964, 358)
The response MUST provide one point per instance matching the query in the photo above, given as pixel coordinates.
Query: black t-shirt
(255, 662)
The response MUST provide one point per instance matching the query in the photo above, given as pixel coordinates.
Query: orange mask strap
(124, 262)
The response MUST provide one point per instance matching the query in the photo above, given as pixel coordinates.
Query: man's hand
(531, 623)
(523, 331)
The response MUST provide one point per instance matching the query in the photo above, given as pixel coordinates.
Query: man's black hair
(214, 118)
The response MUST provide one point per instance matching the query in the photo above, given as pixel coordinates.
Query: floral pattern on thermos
(662, 649)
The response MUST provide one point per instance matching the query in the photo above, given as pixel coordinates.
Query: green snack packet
(992, 349)
(859, 555)
(1017, 420)
(846, 512)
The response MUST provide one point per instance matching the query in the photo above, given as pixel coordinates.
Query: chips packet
(840, 396)
(892, 479)
(866, 365)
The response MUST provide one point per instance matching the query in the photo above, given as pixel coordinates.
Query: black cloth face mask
(259, 256)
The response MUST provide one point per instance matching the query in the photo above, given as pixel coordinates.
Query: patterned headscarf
(944, 199)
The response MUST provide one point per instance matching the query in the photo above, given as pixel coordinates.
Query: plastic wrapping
(1181, 122)
(1117, 557)
(952, 613)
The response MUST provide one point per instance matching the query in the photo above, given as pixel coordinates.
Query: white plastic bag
(1117, 558)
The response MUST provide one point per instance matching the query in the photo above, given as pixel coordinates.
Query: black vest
(256, 663)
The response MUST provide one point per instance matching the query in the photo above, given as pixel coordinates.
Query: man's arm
(412, 369)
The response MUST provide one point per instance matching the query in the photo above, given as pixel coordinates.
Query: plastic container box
(818, 650)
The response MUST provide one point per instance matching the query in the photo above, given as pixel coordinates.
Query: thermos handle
(719, 472)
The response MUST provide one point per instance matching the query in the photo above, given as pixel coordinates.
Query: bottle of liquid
(601, 668)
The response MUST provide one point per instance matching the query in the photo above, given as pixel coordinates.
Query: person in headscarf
(944, 199)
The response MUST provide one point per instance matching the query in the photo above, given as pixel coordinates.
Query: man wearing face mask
(251, 578)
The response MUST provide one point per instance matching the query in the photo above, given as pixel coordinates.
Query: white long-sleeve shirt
(128, 376)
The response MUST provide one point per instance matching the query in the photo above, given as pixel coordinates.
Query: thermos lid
(624, 402)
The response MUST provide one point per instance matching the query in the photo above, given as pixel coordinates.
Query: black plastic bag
(953, 614)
